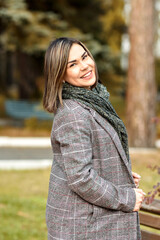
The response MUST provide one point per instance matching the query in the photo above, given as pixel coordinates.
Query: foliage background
(27, 27)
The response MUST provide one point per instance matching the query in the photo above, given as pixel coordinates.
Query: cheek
(92, 63)
(73, 73)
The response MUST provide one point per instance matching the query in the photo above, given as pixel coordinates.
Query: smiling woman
(67, 60)
(81, 71)
(93, 193)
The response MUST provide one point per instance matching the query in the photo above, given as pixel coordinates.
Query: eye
(72, 65)
(85, 56)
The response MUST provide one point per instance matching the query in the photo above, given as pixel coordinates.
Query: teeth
(87, 74)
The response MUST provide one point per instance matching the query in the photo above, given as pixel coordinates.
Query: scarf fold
(98, 99)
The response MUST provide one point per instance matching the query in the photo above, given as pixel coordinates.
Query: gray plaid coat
(91, 194)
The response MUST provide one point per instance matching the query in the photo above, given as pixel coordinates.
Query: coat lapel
(114, 136)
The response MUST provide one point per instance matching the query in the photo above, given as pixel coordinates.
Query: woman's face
(80, 70)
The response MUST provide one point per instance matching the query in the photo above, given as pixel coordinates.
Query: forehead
(76, 52)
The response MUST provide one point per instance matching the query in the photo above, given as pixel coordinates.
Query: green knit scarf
(98, 99)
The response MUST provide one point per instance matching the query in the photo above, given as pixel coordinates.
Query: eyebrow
(81, 57)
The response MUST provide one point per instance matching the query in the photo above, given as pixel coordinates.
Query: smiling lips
(87, 75)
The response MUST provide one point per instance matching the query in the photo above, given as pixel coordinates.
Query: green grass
(23, 196)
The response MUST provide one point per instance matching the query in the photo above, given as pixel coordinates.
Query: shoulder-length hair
(55, 65)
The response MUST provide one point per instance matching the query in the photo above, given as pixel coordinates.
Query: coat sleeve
(74, 136)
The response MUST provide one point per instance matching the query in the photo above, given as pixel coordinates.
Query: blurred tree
(82, 14)
(24, 36)
(27, 27)
(141, 91)
(157, 72)
(104, 21)
(113, 22)
(157, 46)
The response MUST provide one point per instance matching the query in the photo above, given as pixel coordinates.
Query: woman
(92, 192)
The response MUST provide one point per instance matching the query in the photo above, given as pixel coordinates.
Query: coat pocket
(94, 214)
(100, 212)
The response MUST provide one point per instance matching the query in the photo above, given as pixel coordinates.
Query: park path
(25, 153)
(34, 153)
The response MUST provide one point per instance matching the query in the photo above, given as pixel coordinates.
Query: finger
(136, 181)
(136, 175)
(137, 184)
(133, 174)
(140, 191)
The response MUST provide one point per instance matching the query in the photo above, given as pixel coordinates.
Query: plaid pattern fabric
(98, 99)
(91, 194)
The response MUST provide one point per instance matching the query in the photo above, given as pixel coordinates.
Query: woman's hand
(139, 199)
(139, 192)
(137, 178)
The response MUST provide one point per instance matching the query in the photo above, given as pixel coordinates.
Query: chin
(92, 83)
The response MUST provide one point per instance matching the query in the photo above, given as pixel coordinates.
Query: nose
(83, 65)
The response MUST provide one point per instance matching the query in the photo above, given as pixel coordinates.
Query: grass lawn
(23, 197)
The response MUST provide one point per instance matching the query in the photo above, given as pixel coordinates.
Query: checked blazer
(91, 194)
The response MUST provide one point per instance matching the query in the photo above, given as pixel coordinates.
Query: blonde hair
(55, 65)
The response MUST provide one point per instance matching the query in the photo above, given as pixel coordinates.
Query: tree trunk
(141, 88)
